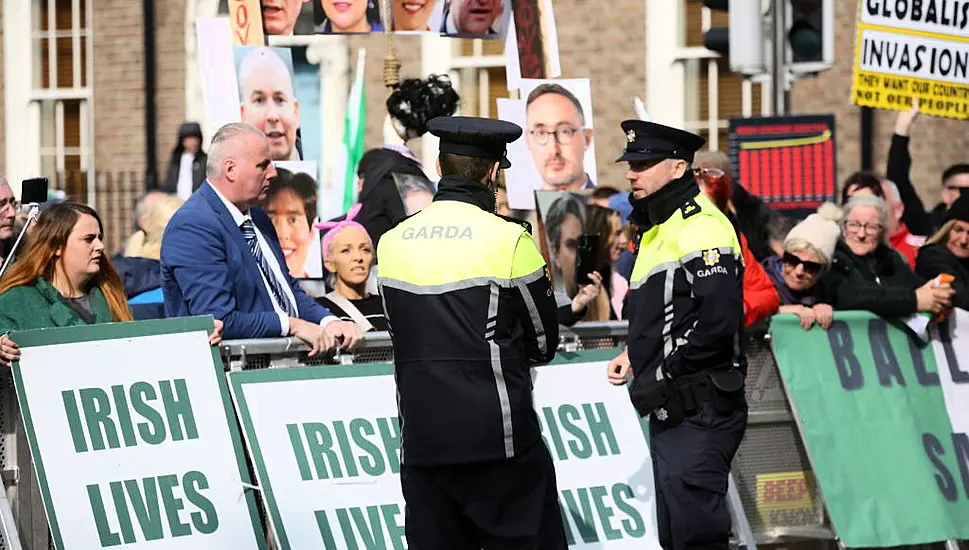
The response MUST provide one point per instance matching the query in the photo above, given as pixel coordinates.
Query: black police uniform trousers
(691, 466)
(509, 504)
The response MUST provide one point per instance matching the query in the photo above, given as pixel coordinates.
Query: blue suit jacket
(207, 269)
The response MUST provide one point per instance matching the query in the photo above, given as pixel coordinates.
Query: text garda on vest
(437, 232)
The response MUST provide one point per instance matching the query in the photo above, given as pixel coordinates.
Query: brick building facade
(646, 48)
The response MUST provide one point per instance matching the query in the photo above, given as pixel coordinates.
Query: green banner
(872, 410)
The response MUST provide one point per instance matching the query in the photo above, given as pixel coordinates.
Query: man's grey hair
(223, 142)
(891, 191)
(875, 202)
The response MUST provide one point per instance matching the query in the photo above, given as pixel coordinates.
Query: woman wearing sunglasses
(760, 297)
(808, 249)
(867, 274)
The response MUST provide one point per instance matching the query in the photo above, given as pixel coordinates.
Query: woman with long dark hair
(63, 279)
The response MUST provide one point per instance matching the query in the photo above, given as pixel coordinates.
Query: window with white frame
(713, 94)
(478, 72)
(61, 47)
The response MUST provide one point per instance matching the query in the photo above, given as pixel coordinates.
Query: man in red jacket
(899, 236)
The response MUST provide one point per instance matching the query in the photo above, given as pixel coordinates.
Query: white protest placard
(325, 444)
(133, 438)
(950, 343)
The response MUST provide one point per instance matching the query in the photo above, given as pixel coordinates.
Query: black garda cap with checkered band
(475, 137)
(646, 141)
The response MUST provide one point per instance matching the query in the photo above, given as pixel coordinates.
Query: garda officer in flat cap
(470, 309)
(684, 345)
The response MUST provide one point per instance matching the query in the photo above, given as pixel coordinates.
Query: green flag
(353, 130)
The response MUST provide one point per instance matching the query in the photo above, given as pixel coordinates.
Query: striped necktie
(249, 232)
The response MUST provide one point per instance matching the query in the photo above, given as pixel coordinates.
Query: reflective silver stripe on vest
(460, 285)
(658, 268)
(536, 318)
(500, 379)
(668, 313)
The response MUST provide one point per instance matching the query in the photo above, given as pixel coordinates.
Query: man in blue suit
(221, 257)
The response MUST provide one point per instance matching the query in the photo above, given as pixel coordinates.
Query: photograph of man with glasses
(558, 135)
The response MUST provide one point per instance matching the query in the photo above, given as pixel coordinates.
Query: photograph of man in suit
(279, 16)
(473, 18)
(557, 138)
(221, 257)
(268, 99)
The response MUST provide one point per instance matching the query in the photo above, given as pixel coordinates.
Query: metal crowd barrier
(772, 444)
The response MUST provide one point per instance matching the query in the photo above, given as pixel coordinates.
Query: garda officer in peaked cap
(470, 310)
(684, 344)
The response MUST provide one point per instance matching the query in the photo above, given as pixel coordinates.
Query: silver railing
(771, 445)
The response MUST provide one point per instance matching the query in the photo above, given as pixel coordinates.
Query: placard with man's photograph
(259, 85)
(291, 205)
(557, 150)
(487, 19)
(307, 17)
(562, 216)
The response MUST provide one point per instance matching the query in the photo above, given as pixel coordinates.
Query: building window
(713, 93)
(61, 86)
(478, 72)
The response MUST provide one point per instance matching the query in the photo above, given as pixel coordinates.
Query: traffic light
(743, 42)
(810, 35)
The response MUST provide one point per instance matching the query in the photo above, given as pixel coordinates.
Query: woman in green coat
(63, 279)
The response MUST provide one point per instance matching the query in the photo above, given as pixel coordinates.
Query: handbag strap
(347, 306)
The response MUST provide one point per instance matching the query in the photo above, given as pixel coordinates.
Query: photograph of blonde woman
(412, 15)
(347, 16)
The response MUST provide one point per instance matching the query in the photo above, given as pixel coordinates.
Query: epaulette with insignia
(516, 221)
(689, 208)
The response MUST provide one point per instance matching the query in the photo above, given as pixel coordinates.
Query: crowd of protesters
(878, 249)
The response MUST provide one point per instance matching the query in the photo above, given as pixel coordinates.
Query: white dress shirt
(238, 217)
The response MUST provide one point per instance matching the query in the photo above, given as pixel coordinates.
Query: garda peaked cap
(646, 141)
(475, 137)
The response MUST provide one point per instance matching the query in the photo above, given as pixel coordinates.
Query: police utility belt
(671, 401)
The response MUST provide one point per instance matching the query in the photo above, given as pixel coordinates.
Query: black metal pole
(867, 137)
(151, 122)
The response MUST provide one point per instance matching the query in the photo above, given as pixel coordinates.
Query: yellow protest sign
(786, 499)
(909, 49)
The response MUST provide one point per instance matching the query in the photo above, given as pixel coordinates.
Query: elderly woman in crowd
(947, 252)
(807, 255)
(867, 274)
(760, 296)
(348, 254)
